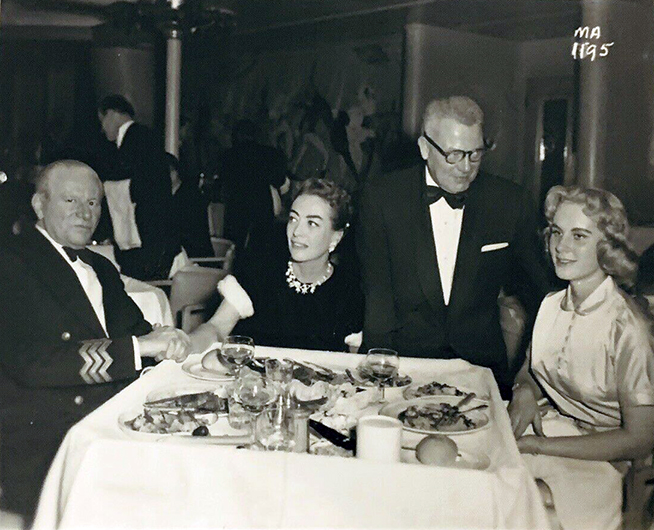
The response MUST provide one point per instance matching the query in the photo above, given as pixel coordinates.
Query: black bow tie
(455, 200)
(84, 254)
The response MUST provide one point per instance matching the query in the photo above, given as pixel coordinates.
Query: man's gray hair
(42, 182)
(459, 108)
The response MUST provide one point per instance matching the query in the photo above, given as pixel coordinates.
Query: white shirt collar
(121, 132)
(594, 300)
(58, 246)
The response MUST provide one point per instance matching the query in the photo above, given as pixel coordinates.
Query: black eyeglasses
(455, 156)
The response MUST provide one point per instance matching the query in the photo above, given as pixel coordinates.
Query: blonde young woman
(587, 386)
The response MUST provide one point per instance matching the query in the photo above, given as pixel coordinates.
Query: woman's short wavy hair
(615, 254)
(336, 196)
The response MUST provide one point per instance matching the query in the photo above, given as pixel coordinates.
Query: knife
(332, 435)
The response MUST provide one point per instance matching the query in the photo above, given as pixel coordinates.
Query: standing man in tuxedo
(71, 337)
(141, 159)
(438, 241)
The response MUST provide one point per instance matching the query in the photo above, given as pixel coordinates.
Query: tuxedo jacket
(405, 308)
(141, 159)
(56, 362)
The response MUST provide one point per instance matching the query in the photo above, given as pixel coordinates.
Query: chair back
(513, 321)
(191, 287)
(224, 250)
(216, 214)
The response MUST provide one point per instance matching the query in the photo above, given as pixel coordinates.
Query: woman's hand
(523, 411)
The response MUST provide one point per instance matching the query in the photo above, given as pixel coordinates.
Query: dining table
(106, 477)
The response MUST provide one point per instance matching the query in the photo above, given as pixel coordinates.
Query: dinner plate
(412, 392)
(129, 415)
(194, 368)
(480, 417)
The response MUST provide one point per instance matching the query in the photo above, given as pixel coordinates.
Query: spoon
(478, 407)
(466, 400)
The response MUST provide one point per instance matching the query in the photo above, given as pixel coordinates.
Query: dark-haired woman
(307, 302)
(592, 358)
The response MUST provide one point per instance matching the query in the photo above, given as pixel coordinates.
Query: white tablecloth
(105, 478)
(152, 301)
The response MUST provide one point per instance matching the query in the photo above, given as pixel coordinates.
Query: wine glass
(236, 351)
(253, 392)
(380, 366)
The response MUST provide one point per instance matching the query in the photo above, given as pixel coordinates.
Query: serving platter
(480, 418)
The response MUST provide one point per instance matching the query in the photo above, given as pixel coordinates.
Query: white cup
(379, 438)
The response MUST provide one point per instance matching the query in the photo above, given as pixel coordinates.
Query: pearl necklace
(305, 288)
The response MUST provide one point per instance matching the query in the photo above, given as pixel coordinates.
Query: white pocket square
(494, 246)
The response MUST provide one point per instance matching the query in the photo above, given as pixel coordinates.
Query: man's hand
(165, 342)
(523, 411)
(530, 444)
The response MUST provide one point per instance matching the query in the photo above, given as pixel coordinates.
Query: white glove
(232, 291)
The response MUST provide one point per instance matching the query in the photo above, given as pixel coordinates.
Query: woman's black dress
(318, 321)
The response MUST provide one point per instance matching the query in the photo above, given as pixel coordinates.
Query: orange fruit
(437, 450)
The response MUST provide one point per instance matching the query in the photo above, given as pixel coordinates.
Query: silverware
(332, 435)
(478, 407)
(465, 400)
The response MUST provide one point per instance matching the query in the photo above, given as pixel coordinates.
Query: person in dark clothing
(247, 172)
(190, 211)
(306, 302)
(141, 159)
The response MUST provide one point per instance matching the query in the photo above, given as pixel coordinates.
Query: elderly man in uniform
(71, 336)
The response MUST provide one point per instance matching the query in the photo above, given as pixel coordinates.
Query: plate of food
(434, 388)
(176, 410)
(439, 414)
(208, 368)
(152, 424)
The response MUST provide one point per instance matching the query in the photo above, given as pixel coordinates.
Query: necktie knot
(84, 254)
(455, 200)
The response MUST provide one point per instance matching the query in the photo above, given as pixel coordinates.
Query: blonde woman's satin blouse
(592, 359)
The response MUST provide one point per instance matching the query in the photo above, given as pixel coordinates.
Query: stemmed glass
(380, 366)
(254, 393)
(236, 351)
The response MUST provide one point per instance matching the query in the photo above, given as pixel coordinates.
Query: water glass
(380, 366)
(238, 417)
(274, 430)
(236, 351)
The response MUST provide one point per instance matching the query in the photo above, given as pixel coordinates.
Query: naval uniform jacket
(405, 308)
(56, 362)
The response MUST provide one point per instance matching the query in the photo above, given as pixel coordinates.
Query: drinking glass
(236, 351)
(253, 392)
(380, 366)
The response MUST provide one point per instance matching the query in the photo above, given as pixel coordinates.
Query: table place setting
(275, 419)
(268, 404)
